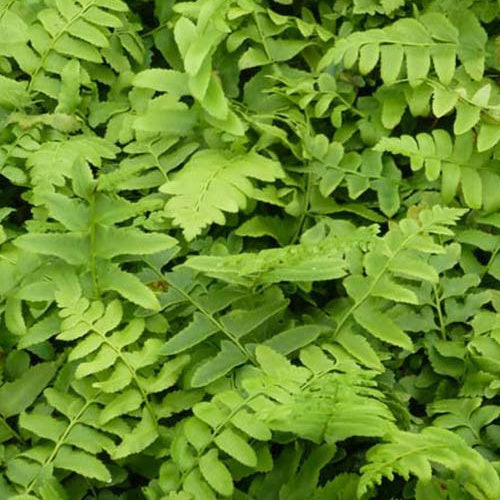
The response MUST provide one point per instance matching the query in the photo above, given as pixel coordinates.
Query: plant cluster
(249, 249)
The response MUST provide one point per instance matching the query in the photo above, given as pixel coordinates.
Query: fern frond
(360, 172)
(92, 239)
(18, 395)
(408, 454)
(295, 480)
(13, 94)
(122, 367)
(236, 328)
(53, 162)
(231, 318)
(314, 261)
(432, 37)
(484, 348)
(389, 267)
(457, 163)
(213, 182)
(67, 439)
(148, 165)
(221, 428)
(468, 417)
(387, 7)
(224, 267)
(319, 404)
(64, 30)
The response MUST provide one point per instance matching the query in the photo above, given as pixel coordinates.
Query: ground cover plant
(249, 249)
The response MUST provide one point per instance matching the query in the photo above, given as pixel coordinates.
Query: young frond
(433, 37)
(213, 182)
(407, 454)
(456, 162)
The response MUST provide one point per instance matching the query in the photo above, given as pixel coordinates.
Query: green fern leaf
(226, 359)
(304, 262)
(128, 401)
(214, 182)
(64, 154)
(330, 407)
(111, 277)
(409, 453)
(112, 241)
(216, 473)
(72, 248)
(459, 164)
(343, 487)
(82, 463)
(197, 487)
(431, 37)
(382, 327)
(235, 446)
(17, 396)
(13, 94)
(467, 417)
(197, 331)
(141, 436)
(295, 338)
(303, 484)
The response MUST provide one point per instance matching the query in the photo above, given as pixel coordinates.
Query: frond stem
(207, 314)
(92, 237)
(262, 37)
(59, 444)
(11, 430)
(377, 278)
(439, 309)
(133, 373)
(54, 40)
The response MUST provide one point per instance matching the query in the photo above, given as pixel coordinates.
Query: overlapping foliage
(249, 249)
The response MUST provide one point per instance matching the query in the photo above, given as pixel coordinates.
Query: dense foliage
(249, 249)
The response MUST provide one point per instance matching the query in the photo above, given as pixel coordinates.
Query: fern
(213, 182)
(79, 30)
(314, 402)
(296, 480)
(85, 244)
(150, 161)
(220, 427)
(67, 440)
(400, 255)
(315, 261)
(19, 394)
(372, 7)
(408, 453)
(120, 366)
(250, 317)
(275, 398)
(457, 163)
(467, 417)
(65, 154)
(432, 37)
(249, 250)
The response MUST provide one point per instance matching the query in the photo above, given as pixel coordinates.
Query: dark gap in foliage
(482, 256)
(246, 75)
(392, 489)
(187, 99)
(291, 8)
(12, 196)
(417, 409)
(145, 11)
